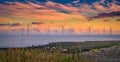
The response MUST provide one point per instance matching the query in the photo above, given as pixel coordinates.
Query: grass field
(75, 52)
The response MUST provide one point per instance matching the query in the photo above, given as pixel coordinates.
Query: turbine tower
(63, 29)
(28, 29)
(71, 30)
(56, 32)
(22, 33)
(80, 31)
(48, 31)
(38, 31)
(89, 29)
(103, 31)
(110, 30)
(22, 29)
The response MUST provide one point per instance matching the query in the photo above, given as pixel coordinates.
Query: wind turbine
(103, 31)
(89, 29)
(28, 29)
(22, 29)
(56, 32)
(70, 29)
(98, 32)
(80, 31)
(48, 31)
(22, 33)
(38, 31)
(63, 29)
(16, 25)
(38, 24)
(110, 30)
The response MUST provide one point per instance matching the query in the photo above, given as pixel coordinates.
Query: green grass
(84, 46)
(42, 54)
(36, 55)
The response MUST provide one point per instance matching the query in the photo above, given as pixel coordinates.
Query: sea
(36, 40)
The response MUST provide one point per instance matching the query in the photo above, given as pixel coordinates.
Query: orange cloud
(36, 11)
(54, 11)
(32, 12)
(114, 7)
(61, 6)
(99, 7)
(87, 10)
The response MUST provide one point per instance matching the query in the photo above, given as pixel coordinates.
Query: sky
(99, 16)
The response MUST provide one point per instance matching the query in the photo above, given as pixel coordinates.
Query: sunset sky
(75, 14)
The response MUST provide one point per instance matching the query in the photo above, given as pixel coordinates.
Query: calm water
(24, 41)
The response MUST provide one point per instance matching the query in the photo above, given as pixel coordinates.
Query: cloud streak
(104, 15)
(4, 24)
(34, 11)
(15, 24)
(37, 23)
(55, 11)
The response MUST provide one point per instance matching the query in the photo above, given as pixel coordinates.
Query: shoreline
(71, 42)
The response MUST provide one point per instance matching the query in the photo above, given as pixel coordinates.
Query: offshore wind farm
(27, 35)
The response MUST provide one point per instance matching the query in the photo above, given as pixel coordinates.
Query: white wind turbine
(110, 30)
(103, 31)
(28, 29)
(89, 29)
(63, 29)
(48, 31)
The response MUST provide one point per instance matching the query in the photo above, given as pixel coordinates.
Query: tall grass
(37, 55)
(77, 53)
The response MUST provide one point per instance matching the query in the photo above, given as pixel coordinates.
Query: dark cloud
(104, 15)
(106, 20)
(118, 20)
(4, 24)
(15, 24)
(37, 23)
